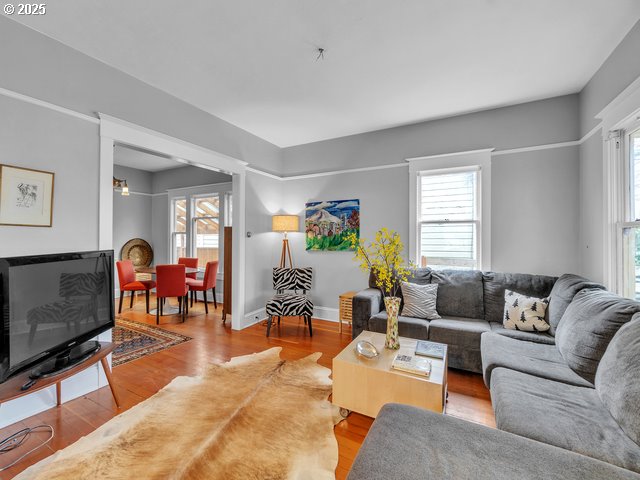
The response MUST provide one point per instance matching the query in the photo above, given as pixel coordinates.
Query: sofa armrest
(365, 304)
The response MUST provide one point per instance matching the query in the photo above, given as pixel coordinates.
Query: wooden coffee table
(364, 385)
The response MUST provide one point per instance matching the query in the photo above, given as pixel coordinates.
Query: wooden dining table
(168, 309)
(152, 270)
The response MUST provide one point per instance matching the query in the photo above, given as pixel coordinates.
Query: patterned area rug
(134, 340)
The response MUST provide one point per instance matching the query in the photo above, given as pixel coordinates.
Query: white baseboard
(321, 313)
(254, 317)
(325, 313)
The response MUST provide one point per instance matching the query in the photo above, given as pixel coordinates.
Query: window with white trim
(178, 228)
(630, 228)
(449, 223)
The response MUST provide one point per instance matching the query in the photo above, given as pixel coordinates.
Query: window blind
(448, 219)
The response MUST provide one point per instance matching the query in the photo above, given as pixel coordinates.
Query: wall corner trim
(621, 108)
(50, 106)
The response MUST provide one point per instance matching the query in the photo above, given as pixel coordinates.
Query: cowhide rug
(255, 417)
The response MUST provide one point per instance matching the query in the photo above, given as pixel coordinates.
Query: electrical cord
(18, 438)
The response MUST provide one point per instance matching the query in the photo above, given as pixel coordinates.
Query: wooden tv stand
(10, 390)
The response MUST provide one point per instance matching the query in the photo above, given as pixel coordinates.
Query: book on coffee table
(412, 364)
(430, 349)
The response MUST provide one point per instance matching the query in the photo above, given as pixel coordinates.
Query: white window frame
(172, 230)
(223, 190)
(222, 199)
(451, 163)
(618, 117)
(622, 145)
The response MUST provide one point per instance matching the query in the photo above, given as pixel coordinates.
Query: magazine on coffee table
(430, 349)
(412, 364)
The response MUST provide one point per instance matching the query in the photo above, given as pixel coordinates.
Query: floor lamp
(284, 224)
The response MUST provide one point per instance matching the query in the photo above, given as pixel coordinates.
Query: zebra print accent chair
(291, 300)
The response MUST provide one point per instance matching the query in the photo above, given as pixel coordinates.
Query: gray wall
(535, 195)
(43, 68)
(536, 123)
(34, 137)
(186, 176)
(534, 200)
(263, 199)
(617, 72)
(131, 215)
(40, 67)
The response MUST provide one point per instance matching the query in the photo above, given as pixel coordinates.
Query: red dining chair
(128, 283)
(207, 283)
(171, 282)
(190, 262)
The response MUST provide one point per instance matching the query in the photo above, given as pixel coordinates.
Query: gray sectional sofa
(566, 407)
(470, 303)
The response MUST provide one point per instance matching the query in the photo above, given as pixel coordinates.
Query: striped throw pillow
(420, 300)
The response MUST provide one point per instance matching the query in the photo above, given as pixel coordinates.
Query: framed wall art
(26, 197)
(327, 224)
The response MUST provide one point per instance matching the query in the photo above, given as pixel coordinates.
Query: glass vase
(392, 305)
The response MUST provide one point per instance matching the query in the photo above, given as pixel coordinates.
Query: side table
(346, 308)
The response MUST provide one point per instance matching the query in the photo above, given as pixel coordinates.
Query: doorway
(153, 150)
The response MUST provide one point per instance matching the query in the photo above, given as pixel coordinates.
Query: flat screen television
(51, 304)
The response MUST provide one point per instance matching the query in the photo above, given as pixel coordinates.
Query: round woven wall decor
(138, 251)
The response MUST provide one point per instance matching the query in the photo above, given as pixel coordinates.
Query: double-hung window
(206, 228)
(449, 223)
(630, 231)
(178, 228)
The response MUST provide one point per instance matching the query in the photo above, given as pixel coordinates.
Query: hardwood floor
(213, 341)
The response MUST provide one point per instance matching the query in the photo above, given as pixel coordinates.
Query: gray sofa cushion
(588, 325)
(536, 359)
(562, 415)
(618, 378)
(365, 304)
(459, 293)
(562, 294)
(495, 284)
(537, 337)
(462, 335)
(407, 326)
(413, 444)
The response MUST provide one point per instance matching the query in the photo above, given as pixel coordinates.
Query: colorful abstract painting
(327, 224)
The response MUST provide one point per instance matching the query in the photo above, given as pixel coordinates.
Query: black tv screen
(51, 303)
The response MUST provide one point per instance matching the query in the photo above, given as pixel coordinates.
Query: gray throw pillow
(420, 300)
(588, 325)
(618, 378)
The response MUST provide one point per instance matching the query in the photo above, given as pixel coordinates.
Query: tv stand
(65, 360)
(80, 358)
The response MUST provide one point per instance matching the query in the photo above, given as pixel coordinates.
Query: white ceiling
(143, 160)
(387, 63)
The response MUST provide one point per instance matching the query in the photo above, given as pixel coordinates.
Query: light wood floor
(213, 341)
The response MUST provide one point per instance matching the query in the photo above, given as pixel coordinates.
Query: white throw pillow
(524, 313)
(420, 300)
